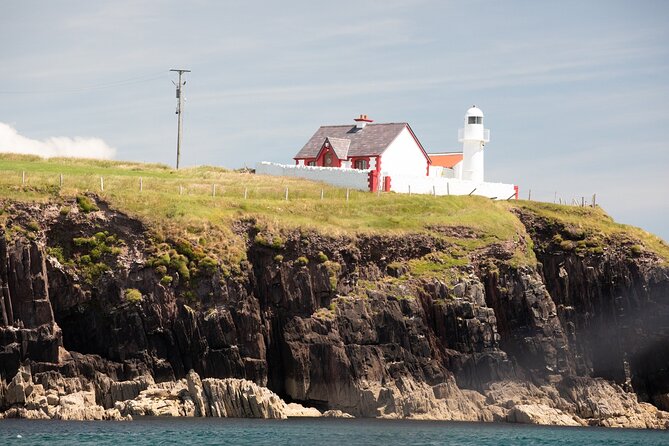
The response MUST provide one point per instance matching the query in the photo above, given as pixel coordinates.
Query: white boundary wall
(359, 179)
(450, 186)
(336, 176)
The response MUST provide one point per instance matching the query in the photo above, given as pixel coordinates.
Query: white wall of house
(403, 157)
(336, 176)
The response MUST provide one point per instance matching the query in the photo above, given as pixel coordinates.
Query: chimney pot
(362, 121)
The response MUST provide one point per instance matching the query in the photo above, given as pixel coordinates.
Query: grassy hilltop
(200, 205)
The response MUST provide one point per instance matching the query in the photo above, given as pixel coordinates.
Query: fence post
(529, 195)
(102, 184)
(181, 190)
(213, 190)
(286, 196)
(322, 193)
(555, 197)
(347, 191)
(448, 188)
(23, 178)
(378, 191)
(582, 202)
(141, 184)
(594, 200)
(61, 180)
(434, 190)
(246, 192)
(409, 189)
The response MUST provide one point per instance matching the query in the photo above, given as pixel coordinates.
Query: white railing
(461, 135)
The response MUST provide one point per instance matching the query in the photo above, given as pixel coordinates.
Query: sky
(575, 93)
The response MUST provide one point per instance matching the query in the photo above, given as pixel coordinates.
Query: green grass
(160, 197)
(196, 215)
(591, 229)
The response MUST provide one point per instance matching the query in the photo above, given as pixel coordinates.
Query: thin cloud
(81, 147)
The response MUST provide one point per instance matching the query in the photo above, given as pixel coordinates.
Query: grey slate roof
(340, 147)
(369, 141)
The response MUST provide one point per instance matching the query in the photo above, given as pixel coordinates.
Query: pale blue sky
(575, 93)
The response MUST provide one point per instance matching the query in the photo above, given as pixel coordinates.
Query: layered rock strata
(340, 332)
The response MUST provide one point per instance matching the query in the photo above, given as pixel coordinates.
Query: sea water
(340, 432)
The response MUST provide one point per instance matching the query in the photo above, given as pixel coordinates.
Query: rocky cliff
(96, 299)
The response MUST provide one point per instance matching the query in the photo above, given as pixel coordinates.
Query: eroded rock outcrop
(25, 399)
(193, 397)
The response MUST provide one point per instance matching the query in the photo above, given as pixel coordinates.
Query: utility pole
(180, 110)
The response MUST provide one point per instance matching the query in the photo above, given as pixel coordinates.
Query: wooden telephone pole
(180, 109)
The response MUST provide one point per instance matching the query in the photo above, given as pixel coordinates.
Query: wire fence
(556, 197)
(254, 187)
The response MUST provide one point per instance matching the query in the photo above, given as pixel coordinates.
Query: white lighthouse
(473, 137)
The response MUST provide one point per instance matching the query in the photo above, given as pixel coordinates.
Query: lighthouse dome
(474, 116)
(474, 111)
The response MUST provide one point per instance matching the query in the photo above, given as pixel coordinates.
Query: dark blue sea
(210, 431)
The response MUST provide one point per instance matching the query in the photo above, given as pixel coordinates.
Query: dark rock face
(28, 328)
(313, 333)
(615, 310)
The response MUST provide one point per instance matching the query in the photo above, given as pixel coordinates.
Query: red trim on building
(515, 188)
(386, 184)
(373, 181)
(427, 157)
(353, 160)
(363, 118)
(320, 159)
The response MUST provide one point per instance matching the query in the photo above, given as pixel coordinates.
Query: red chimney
(362, 121)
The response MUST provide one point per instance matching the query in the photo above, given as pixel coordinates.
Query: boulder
(336, 414)
(81, 406)
(240, 398)
(541, 414)
(197, 395)
(295, 410)
(20, 388)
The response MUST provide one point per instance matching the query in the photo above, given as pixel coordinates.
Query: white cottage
(384, 149)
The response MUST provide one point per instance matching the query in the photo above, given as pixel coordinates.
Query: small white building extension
(390, 157)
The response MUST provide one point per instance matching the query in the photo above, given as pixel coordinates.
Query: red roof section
(446, 160)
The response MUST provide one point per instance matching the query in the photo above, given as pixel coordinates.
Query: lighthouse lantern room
(473, 137)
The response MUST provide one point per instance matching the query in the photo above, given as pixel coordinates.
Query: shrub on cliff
(133, 295)
(85, 204)
(208, 264)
